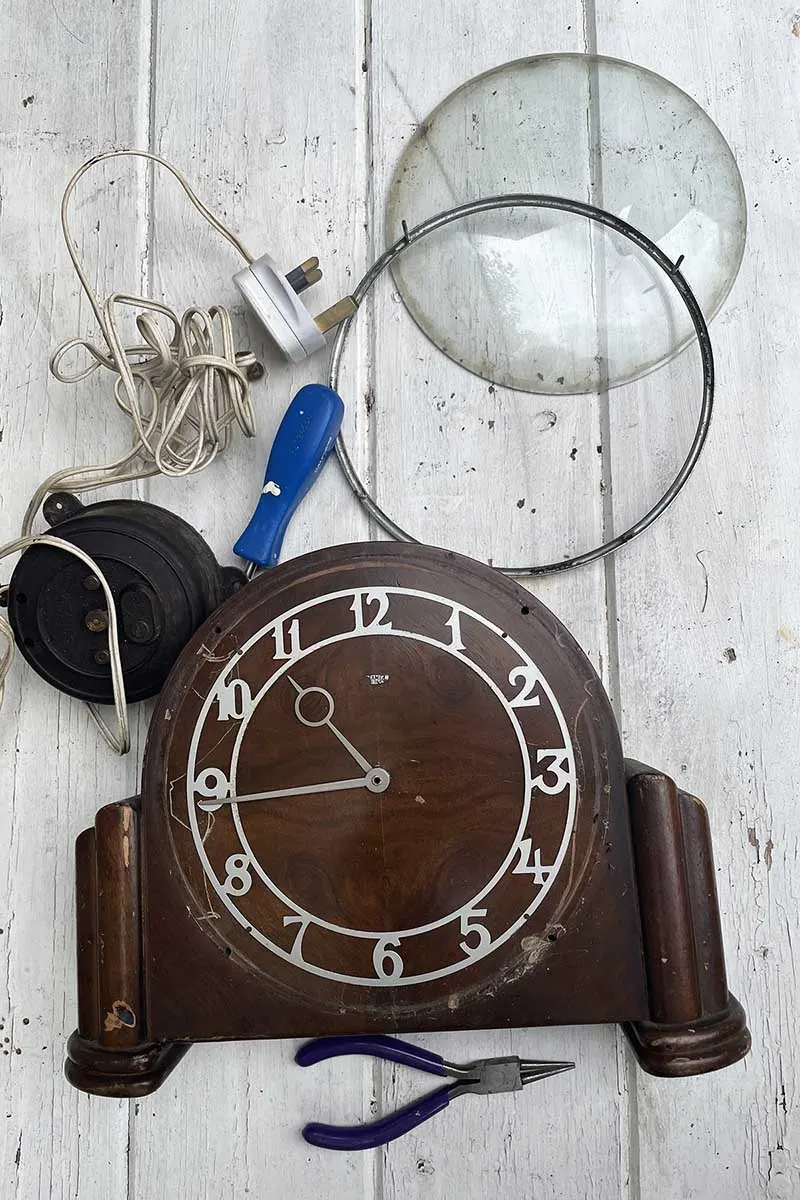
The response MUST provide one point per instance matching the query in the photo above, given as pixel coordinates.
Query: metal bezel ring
(600, 217)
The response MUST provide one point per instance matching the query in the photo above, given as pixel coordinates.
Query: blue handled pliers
(482, 1077)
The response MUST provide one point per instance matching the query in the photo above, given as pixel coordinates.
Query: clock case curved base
(134, 1072)
(674, 1051)
(686, 1022)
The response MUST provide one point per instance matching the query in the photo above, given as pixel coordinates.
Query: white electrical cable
(119, 740)
(182, 392)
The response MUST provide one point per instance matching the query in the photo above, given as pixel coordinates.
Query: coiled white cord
(182, 392)
(119, 739)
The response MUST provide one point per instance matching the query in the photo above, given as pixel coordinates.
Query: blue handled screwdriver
(304, 440)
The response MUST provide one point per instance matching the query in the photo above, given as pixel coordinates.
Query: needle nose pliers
(482, 1077)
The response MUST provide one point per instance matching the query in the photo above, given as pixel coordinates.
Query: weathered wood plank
(455, 458)
(55, 771)
(263, 106)
(707, 603)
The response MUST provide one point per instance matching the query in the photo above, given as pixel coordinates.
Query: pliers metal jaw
(482, 1078)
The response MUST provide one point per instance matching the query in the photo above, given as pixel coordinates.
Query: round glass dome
(547, 302)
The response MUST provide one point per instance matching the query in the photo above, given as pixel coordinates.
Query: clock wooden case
(383, 791)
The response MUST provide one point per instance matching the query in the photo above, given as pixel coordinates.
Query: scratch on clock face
(330, 800)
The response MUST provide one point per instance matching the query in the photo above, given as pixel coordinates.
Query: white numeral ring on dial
(553, 775)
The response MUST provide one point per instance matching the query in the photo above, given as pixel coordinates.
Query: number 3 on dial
(558, 768)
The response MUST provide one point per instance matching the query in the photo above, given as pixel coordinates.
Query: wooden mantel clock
(384, 791)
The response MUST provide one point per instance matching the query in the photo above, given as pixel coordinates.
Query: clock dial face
(320, 740)
(374, 783)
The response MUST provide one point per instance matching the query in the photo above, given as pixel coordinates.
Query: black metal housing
(164, 578)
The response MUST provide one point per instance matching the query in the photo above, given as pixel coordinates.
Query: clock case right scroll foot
(696, 1024)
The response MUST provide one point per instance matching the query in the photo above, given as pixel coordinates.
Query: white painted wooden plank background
(290, 119)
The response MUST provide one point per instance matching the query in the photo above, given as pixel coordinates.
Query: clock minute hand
(339, 785)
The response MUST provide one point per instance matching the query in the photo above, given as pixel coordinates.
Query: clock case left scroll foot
(110, 1054)
(138, 1071)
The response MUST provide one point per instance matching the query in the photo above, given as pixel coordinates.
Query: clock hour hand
(375, 781)
(349, 747)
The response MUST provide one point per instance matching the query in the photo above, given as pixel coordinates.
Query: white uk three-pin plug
(273, 298)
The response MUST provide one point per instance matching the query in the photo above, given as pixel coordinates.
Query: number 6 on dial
(381, 956)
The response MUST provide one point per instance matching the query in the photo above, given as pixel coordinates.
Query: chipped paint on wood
(119, 1016)
(534, 948)
(127, 818)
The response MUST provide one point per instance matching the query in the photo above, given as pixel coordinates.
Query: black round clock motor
(164, 578)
